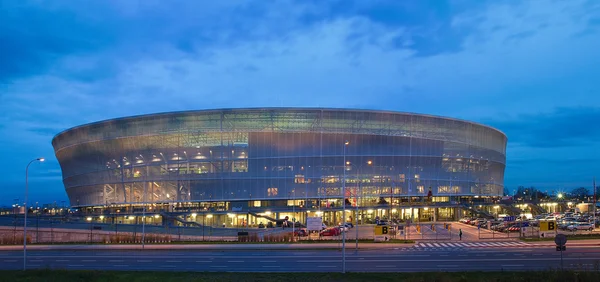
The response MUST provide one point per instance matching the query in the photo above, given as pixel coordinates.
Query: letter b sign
(551, 225)
(384, 230)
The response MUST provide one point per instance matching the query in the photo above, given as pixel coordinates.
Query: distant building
(244, 165)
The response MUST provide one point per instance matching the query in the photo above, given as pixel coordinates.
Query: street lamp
(25, 206)
(369, 162)
(344, 211)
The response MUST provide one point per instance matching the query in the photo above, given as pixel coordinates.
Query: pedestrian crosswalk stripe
(448, 245)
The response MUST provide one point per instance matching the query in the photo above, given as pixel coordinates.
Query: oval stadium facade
(244, 165)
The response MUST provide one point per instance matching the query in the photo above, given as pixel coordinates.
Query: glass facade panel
(251, 155)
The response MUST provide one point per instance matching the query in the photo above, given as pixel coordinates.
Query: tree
(581, 192)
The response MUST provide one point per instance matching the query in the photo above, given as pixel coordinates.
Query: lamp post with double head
(26, 211)
(346, 143)
(358, 181)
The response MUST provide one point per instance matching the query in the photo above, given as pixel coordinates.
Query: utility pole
(344, 211)
(594, 186)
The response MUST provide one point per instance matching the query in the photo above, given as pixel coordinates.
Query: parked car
(580, 226)
(464, 220)
(300, 232)
(330, 232)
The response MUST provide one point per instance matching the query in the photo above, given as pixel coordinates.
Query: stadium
(242, 167)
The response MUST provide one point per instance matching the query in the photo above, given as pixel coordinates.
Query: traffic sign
(382, 238)
(547, 225)
(381, 230)
(560, 239)
(510, 218)
(547, 234)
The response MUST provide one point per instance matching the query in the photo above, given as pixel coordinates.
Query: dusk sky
(528, 68)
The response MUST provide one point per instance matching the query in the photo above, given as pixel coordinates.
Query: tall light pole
(358, 181)
(25, 206)
(346, 143)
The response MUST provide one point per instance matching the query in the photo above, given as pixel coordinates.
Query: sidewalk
(266, 246)
(573, 243)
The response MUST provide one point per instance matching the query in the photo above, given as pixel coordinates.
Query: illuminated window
(440, 199)
(299, 178)
(417, 178)
(255, 204)
(295, 203)
(272, 192)
(420, 189)
(402, 178)
(240, 166)
(443, 189)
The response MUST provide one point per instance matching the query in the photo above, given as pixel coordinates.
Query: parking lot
(529, 226)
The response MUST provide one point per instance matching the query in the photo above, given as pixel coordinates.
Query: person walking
(460, 234)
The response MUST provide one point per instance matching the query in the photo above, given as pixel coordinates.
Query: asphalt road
(376, 260)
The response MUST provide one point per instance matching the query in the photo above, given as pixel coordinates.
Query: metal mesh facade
(268, 154)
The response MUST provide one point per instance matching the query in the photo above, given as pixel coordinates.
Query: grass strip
(133, 276)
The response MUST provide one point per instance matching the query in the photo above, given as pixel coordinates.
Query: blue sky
(529, 68)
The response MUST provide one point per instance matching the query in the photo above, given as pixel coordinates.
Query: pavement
(375, 260)
(232, 246)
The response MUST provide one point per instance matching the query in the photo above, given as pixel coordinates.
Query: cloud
(528, 68)
(562, 127)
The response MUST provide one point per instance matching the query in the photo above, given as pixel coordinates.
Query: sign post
(381, 234)
(314, 223)
(560, 241)
(547, 229)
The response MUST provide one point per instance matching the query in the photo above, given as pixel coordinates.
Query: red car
(330, 232)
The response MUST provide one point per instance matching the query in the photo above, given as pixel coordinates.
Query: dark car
(300, 232)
